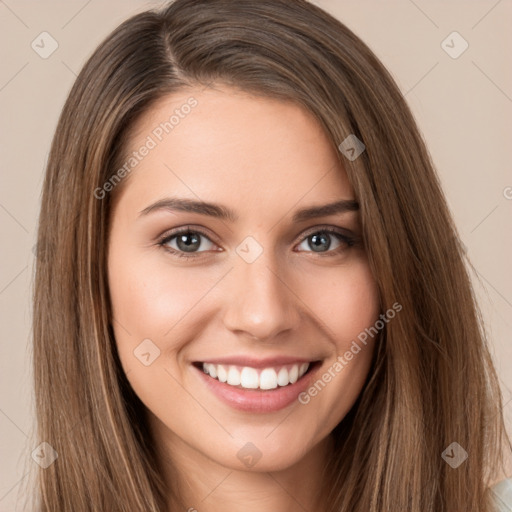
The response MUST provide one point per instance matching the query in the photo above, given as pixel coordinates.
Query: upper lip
(258, 363)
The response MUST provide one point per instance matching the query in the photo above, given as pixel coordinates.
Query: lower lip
(258, 401)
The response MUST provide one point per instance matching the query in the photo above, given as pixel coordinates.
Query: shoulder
(501, 495)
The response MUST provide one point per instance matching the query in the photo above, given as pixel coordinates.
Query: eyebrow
(221, 212)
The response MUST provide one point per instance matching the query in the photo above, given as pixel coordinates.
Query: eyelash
(344, 239)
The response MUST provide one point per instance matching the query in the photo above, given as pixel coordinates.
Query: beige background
(463, 107)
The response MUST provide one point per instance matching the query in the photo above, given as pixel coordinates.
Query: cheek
(345, 301)
(347, 305)
(149, 299)
(150, 303)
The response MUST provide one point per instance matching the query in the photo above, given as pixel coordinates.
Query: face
(237, 301)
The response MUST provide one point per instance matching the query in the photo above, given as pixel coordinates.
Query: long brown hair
(432, 381)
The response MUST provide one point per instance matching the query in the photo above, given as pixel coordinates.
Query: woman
(249, 285)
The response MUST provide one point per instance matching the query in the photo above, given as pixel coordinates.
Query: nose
(260, 302)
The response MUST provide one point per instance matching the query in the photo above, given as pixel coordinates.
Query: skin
(264, 159)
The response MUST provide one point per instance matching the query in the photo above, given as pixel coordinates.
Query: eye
(320, 241)
(186, 241)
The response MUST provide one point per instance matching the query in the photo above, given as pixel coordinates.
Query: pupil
(188, 246)
(320, 240)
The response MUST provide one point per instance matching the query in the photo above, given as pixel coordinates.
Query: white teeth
(293, 375)
(282, 377)
(233, 376)
(250, 378)
(222, 375)
(268, 379)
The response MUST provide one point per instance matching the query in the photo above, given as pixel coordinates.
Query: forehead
(233, 147)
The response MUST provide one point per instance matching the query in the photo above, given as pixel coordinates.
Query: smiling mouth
(264, 379)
